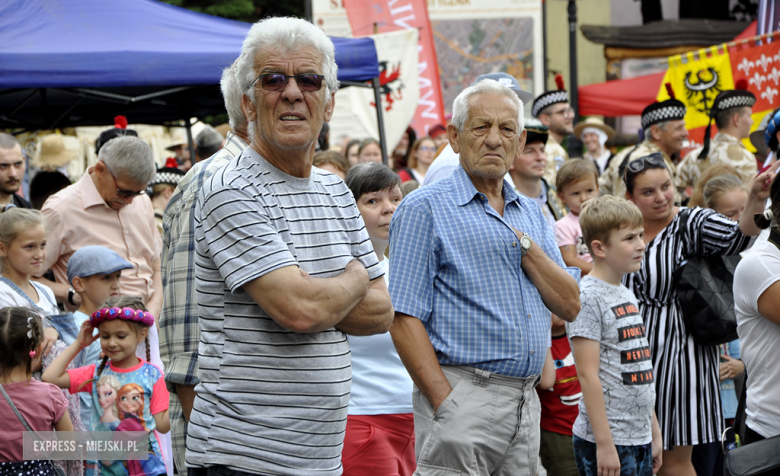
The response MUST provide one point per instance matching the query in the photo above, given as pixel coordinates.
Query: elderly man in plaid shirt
(179, 331)
(475, 272)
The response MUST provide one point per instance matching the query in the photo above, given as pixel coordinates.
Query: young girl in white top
(22, 251)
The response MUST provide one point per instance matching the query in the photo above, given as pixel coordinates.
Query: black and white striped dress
(686, 374)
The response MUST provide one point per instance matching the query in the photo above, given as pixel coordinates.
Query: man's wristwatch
(72, 291)
(525, 244)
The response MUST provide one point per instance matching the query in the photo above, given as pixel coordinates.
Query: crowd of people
(489, 303)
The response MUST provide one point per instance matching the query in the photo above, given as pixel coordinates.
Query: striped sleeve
(711, 234)
(242, 239)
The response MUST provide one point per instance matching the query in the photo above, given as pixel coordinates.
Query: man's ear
(523, 137)
(655, 132)
(544, 119)
(598, 249)
(100, 167)
(452, 136)
(249, 108)
(329, 108)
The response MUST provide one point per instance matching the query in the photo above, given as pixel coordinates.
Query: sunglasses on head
(308, 82)
(640, 164)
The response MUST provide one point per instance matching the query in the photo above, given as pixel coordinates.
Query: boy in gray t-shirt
(616, 431)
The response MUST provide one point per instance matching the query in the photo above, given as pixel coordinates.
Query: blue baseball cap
(509, 81)
(92, 260)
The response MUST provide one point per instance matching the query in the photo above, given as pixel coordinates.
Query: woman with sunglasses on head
(421, 157)
(686, 374)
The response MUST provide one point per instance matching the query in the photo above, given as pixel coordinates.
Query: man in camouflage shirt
(665, 132)
(732, 112)
(553, 110)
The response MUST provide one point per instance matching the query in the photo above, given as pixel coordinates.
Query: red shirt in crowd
(560, 405)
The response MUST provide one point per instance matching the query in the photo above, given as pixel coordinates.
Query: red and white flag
(367, 17)
(397, 54)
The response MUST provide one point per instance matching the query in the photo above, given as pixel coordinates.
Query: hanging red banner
(367, 17)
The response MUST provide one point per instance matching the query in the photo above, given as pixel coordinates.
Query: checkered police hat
(669, 110)
(738, 97)
(170, 174)
(551, 97)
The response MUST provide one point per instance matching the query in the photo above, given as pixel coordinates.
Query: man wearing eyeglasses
(554, 111)
(108, 207)
(284, 269)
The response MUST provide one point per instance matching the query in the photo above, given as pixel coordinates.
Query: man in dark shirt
(11, 172)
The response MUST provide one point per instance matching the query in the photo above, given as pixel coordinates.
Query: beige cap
(52, 152)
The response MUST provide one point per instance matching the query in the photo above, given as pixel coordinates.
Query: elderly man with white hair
(476, 272)
(284, 269)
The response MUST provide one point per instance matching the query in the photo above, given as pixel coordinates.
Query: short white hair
(232, 93)
(462, 104)
(129, 158)
(286, 34)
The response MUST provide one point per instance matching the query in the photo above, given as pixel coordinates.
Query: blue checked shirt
(179, 331)
(455, 264)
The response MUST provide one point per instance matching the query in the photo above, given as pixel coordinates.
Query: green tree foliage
(243, 10)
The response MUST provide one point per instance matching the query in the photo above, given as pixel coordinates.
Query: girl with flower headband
(120, 329)
(42, 405)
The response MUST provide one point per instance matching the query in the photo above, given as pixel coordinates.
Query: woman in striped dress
(686, 374)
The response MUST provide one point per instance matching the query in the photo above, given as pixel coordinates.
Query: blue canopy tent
(67, 63)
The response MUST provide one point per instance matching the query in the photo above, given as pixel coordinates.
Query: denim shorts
(634, 460)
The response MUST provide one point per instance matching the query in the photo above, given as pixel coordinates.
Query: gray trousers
(488, 425)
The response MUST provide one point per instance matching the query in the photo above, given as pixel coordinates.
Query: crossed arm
(304, 304)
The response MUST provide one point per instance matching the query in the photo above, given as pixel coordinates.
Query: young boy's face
(100, 287)
(574, 195)
(625, 249)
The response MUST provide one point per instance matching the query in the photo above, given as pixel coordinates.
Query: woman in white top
(22, 250)
(380, 424)
(757, 305)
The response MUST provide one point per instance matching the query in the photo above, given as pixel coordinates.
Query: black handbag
(761, 458)
(705, 292)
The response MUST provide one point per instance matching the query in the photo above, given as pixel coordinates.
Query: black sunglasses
(638, 165)
(277, 82)
(119, 191)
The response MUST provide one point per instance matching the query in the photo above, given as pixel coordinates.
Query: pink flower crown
(125, 313)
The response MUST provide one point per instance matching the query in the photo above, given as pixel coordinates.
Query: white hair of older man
(285, 34)
(129, 158)
(462, 103)
(232, 92)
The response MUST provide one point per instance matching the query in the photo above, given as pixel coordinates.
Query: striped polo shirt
(270, 401)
